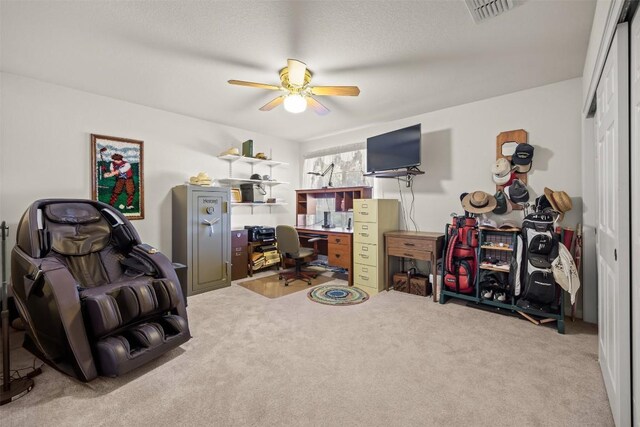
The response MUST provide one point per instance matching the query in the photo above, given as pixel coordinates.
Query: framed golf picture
(117, 174)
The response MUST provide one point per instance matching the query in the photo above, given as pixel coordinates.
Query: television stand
(408, 174)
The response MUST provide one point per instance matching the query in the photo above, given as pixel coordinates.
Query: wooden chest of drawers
(423, 246)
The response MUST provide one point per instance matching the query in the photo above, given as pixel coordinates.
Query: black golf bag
(536, 248)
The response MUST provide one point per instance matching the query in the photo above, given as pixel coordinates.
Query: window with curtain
(350, 164)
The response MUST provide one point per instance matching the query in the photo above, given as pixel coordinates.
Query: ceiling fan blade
(336, 90)
(272, 104)
(316, 106)
(297, 70)
(252, 84)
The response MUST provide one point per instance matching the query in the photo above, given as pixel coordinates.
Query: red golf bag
(460, 256)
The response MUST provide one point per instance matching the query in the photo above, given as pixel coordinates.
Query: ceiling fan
(295, 79)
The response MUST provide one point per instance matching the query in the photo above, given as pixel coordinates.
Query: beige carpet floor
(396, 360)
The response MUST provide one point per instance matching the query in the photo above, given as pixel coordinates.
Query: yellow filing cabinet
(371, 219)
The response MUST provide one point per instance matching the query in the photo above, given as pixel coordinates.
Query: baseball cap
(517, 192)
(523, 157)
(502, 203)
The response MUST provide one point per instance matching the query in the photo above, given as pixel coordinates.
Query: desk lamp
(329, 168)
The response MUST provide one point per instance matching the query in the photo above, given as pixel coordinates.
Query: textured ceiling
(407, 57)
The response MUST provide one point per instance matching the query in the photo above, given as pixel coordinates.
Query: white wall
(459, 146)
(45, 153)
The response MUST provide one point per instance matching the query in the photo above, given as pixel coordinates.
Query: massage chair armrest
(63, 288)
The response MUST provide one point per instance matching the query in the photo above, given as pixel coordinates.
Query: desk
(418, 245)
(339, 245)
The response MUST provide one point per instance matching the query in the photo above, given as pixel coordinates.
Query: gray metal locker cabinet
(202, 236)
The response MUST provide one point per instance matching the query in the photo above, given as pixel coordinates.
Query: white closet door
(635, 213)
(612, 148)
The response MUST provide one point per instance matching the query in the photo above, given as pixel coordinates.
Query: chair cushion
(72, 213)
(304, 252)
(76, 228)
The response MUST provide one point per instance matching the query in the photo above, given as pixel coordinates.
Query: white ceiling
(407, 57)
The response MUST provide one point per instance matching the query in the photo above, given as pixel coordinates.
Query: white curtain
(350, 164)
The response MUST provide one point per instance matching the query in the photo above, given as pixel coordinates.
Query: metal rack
(489, 240)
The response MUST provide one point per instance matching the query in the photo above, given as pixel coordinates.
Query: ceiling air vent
(481, 10)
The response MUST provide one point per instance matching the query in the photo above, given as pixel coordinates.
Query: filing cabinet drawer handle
(364, 256)
(365, 270)
(364, 234)
(365, 227)
(364, 213)
(364, 205)
(365, 249)
(363, 277)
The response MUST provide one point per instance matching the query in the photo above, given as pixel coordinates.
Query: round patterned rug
(337, 295)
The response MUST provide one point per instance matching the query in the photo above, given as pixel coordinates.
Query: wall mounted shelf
(407, 175)
(235, 182)
(238, 181)
(231, 158)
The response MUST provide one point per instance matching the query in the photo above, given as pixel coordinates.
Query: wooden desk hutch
(306, 200)
(338, 242)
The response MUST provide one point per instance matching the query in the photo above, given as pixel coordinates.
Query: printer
(259, 233)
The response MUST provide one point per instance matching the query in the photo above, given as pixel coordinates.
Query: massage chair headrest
(76, 228)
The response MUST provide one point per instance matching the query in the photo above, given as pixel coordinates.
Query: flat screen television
(394, 150)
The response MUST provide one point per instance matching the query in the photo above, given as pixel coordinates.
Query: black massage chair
(94, 299)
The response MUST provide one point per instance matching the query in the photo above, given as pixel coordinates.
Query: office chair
(289, 247)
(94, 299)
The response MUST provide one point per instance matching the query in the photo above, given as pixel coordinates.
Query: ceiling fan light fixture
(295, 103)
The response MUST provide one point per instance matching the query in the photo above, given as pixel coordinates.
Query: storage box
(401, 282)
(419, 285)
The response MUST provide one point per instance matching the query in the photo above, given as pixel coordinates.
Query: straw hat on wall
(479, 202)
(560, 201)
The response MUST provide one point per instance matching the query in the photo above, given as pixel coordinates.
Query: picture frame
(117, 174)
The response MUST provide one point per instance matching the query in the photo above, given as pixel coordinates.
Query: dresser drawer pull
(408, 255)
(338, 240)
(337, 255)
(409, 244)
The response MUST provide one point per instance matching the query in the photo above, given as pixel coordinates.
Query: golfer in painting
(121, 169)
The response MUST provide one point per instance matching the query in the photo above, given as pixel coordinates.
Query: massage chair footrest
(135, 346)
